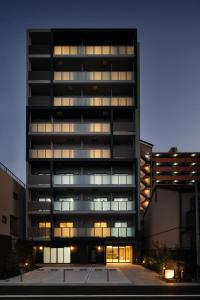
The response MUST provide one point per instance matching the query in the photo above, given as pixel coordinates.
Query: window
(100, 224)
(4, 219)
(66, 225)
(100, 199)
(120, 224)
(15, 196)
(57, 50)
(44, 224)
(44, 200)
(120, 199)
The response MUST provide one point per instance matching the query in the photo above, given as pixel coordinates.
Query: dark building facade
(83, 151)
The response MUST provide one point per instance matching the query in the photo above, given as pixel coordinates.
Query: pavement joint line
(101, 296)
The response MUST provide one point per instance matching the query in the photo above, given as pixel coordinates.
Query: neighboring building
(12, 212)
(169, 219)
(83, 145)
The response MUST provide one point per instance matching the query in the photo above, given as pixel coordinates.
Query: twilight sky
(169, 36)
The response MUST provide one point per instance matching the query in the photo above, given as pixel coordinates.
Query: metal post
(21, 275)
(108, 279)
(63, 275)
(197, 226)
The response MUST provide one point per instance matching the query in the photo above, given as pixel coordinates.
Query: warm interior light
(169, 274)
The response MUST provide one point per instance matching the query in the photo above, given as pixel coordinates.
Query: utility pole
(197, 227)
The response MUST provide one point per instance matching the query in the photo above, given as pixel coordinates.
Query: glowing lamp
(169, 273)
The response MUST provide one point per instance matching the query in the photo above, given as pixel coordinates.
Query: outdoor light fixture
(175, 180)
(40, 248)
(157, 154)
(157, 180)
(99, 248)
(193, 164)
(193, 172)
(72, 248)
(157, 164)
(175, 164)
(175, 154)
(157, 172)
(169, 273)
(193, 154)
(26, 264)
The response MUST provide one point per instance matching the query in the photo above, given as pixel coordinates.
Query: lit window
(66, 225)
(121, 224)
(44, 224)
(100, 224)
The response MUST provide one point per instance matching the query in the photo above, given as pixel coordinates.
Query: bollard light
(169, 273)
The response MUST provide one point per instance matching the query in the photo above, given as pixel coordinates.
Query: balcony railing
(37, 206)
(93, 101)
(93, 232)
(42, 180)
(93, 180)
(69, 153)
(72, 128)
(94, 206)
(39, 233)
(94, 76)
(93, 50)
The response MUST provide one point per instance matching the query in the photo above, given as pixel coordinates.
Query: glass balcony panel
(65, 50)
(56, 127)
(49, 127)
(105, 206)
(57, 206)
(97, 50)
(40, 127)
(122, 75)
(57, 153)
(113, 50)
(106, 50)
(129, 50)
(57, 179)
(105, 75)
(74, 50)
(33, 153)
(114, 75)
(57, 50)
(129, 76)
(89, 50)
(68, 153)
(105, 101)
(57, 76)
(122, 50)
(57, 101)
(34, 127)
(97, 75)
(48, 153)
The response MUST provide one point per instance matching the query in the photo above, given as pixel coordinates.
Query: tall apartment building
(83, 145)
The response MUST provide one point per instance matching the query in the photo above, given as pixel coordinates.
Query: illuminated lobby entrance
(119, 254)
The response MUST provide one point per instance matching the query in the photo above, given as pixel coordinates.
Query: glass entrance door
(119, 254)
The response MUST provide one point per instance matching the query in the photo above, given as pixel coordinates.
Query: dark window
(4, 219)
(15, 196)
(13, 225)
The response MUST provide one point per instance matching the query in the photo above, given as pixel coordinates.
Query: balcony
(93, 50)
(39, 76)
(93, 76)
(40, 180)
(93, 180)
(39, 50)
(39, 233)
(69, 153)
(92, 206)
(93, 232)
(94, 101)
(38, 207)
(70, 128)
(39, 101)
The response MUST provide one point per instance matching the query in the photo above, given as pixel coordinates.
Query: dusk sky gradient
(169, 36)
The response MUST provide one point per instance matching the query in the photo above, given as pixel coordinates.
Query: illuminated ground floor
(84, 253)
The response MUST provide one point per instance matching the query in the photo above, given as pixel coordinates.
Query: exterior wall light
(175, 164)
(72, 248)
(26, 264)
(193, 154)
(193, 172)
(175, 154)
(169, 273)
(99, 248)
(193, 164)
(40, 248)
(157, 154)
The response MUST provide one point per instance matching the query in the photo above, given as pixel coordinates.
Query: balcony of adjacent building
(45, 230)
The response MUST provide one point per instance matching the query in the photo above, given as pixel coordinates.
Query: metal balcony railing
(71, 128)
(93, 179)
(93, 76)
(90, 206)
(93, 50)
(69, 153)
(93, 101)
